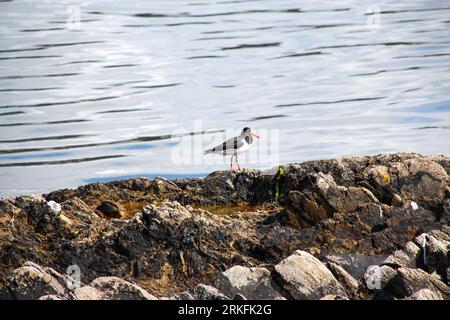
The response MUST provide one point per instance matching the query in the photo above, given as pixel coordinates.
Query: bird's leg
(231, 164)
(237, 162)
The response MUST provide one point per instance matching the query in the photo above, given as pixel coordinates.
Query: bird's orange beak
(254, 134)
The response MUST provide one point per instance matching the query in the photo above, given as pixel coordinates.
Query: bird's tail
(208, 151)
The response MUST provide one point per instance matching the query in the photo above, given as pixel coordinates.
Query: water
(101, 99)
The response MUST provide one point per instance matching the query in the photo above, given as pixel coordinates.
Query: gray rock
(425, 294)
(405, 258)
(306, 278)
(51, 297)
(32, 281)
(435, 253)
(355, 264)
(205, 292)
(183, 296)
(378, 277)
(253, 283)
(409, 281)
(114, 288)
(348, 282)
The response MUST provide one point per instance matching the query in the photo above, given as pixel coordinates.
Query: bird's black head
(246, 131)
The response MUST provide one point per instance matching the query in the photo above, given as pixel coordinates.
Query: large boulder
(406, 258)
(304, 277)
(252, 283)
(409, 281)
(31, 282)
(425, 294)
(320, 197)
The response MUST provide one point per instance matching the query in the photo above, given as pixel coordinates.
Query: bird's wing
(231, 144)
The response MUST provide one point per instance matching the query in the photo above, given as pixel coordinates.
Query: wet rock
(253, 283)
(114, 288)
(109, 209)
(306, 278)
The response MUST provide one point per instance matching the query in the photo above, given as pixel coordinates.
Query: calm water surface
(137, 88)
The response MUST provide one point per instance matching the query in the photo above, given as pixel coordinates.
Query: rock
(56, 207)
(109, 209)
(409, 281)
(88, 293)
(31, 282)
(306, 278)
(345, 279)
(24, 201)
(378, 277)
(333, 297)
(205, 292)
(425, 294)
(239, 296)
(411, 205)
(435, 253)
(253, 283)
(168, 236)
(423, 181)
(355, 264)
(114, 288)
(406, 258)
(183, 296)
(320, 198)
(51, 297)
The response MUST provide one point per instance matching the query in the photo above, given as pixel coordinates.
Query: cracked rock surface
(348, 228)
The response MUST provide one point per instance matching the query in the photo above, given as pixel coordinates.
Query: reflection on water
(105, 99)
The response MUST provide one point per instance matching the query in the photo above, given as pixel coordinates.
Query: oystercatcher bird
(234, 146)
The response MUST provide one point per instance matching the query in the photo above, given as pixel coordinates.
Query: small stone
(411, 205)
(397, 200)
(109, 209)
(56, 207)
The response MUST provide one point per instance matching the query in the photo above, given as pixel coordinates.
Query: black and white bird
(234, 146)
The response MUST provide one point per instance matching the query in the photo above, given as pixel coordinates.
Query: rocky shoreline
(349, 228)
